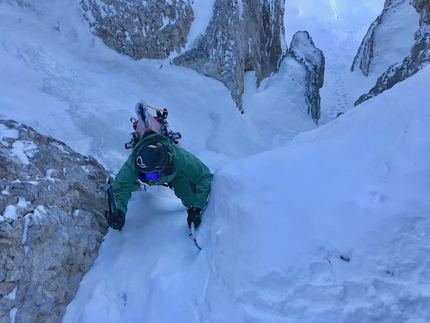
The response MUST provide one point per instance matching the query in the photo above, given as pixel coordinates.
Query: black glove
(194, 217)
(116, 221)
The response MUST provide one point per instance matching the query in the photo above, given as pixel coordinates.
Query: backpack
(147, 123)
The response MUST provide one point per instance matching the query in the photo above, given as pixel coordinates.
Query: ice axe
(193, 236)
(112, 214)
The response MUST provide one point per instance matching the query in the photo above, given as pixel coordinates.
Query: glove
(194, 217)
(116, 221)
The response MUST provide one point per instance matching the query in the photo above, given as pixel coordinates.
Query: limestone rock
(381, 46)
(418, 56)
(141, 29)
(242, 36)
(302, 49)
(51, 223)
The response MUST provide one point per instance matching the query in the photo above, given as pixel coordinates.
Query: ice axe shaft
(193, 236)
(112, 213)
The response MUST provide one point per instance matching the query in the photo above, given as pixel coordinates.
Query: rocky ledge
(51, 223)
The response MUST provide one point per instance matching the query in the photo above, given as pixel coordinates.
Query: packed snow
(305, 223)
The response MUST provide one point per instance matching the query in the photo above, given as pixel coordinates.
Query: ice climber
(155, 160)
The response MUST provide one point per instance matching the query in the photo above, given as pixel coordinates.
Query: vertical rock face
(302, 49)
(423, 7)
(377, 52)
(141, 29)
(364, 57)
(416, 57)
(51, 223)
(242, 36)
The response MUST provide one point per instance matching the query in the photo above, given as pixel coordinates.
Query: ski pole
(193, 236)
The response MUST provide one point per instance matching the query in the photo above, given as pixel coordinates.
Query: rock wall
(302, 49)
(242, 36)
(141, 29)
(423, 7)
(51, 223)
(418, 58)
(381, 45)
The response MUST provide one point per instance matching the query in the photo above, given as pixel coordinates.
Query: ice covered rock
(417, 53)
(302, 49)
